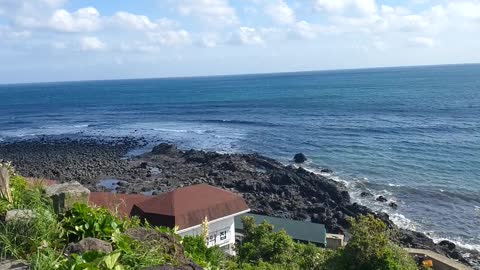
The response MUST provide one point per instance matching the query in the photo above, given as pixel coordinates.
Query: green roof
(298, 230)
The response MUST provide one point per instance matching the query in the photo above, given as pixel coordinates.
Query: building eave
(215, 220)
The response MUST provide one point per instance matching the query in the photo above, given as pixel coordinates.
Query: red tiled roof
(187, 207)
(120, 204)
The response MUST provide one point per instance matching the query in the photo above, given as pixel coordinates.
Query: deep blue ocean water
(411, 134)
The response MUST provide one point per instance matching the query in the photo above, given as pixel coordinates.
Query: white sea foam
(456, 241)
(171, 130)
(403, 222)
(395, 185)
(81, 126)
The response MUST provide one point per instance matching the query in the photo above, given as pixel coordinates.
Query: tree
(370, 248)
(260, 243)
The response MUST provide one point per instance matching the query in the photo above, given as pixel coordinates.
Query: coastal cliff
(268, 186)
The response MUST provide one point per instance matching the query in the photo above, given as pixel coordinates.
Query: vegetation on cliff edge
(42, 240)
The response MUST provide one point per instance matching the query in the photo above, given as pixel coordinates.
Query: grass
(24, 236)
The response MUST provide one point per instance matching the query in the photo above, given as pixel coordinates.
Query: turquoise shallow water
(412, 134)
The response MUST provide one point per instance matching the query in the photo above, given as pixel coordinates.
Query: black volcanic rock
(299, 158)
(381, 199)
(393, 205)
(164, 149)
(366, 194)
(326, 170)
(447, 244)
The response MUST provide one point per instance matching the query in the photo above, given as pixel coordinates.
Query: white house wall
(220, 233)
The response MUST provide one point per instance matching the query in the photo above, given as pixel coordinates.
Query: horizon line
(238, 74)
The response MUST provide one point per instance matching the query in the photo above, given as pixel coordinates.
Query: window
(223, 235)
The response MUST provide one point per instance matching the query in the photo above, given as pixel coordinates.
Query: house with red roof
(185, 208)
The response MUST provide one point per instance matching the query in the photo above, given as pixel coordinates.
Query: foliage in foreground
(198, 252)
(83, 221)
(369, 248)
(42, 240)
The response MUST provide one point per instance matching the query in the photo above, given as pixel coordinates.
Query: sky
(62, 40)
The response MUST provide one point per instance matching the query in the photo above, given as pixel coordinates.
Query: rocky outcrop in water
(299, 158)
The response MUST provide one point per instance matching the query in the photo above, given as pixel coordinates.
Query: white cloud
(280, 12)
(421, 42)
(83, 20)
(304, 30)
(17, 7)
(347, 7)
(28, 13)
(466, 9)
(248, 36)
(209, 40)
(92, 44)
(133, 21)
(136, 22)
(214, 12)
(170, 37)
(401, 19)
(8, 34)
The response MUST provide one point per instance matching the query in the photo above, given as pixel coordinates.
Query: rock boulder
(65, 195)
(13, 265)
(164, 149)
(299, 158)
(89, 244)
(19, 214)
(381, 199)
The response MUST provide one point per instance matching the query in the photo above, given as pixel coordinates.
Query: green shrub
(370, 248)
(196, 250)
(83, 221)
(398, 259)
(260, 243)
(22, 237)
(311, 257)
(24, 197)
(46, 258)
(93, 260)
(148, 246)
(262, 248)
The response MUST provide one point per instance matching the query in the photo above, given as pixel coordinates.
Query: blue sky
(58, 40)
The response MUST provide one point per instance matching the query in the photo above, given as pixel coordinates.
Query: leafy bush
(93, 260)
(138, 254)
(370, 248)
(46, 258)
(260, 243)
(196, 250)
(262, 248)
(83, 221)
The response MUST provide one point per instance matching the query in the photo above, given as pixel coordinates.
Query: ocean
(411, 134)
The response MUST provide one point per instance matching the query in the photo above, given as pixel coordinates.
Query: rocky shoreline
(268, 186)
